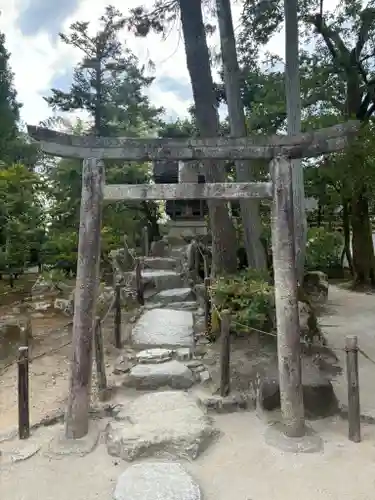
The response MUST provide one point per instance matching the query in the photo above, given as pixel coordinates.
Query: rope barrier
(247, 327)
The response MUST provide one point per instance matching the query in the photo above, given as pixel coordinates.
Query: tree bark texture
(363, 248)
(286, 299)
(249, 208)
(293, 104)
(87, 283)
(224, 246)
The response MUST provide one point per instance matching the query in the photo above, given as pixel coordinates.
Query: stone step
(166, 263)
(169, 422)
(156, 480)
(161, 279)
(173, 295)
(173, 374)
(163, 328)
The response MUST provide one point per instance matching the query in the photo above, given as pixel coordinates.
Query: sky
(40, 61)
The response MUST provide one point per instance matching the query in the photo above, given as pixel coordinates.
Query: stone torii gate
(279, 150)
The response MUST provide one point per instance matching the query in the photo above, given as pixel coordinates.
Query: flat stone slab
(160, 424)
(164, 328)
(161, 279)
(156, 355)
(175, 295)
(160, 263)
(173, 374)
(156, 481)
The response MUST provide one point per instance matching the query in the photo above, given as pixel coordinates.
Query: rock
(228, 404)
(161, 279)
(156, 355)
(121, 260)
(175, 295)
(193, 364)
(204, 376)
(64, 305)
(177, 427)
(41, 305)
(315, 284)
(159, 263)
(42, 286)
(183, 306)
(164, 327)
(184, 354)
(152, 376)
(122, 365)
(304, 315)
(153, 481)
(159, 248)
(318, 395)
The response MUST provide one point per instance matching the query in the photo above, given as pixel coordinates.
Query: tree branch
(340, 53)
(367, 21)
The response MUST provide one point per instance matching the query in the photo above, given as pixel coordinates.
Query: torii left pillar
(87, 285)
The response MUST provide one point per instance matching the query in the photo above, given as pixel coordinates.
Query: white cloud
(36, 60)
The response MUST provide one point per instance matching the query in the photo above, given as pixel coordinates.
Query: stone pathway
(168, 423)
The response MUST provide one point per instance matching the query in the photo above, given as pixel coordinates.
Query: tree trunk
(346, 229)
(224, 247)
(77, 416)
(293, 104)
(249, 208)
(363, 248)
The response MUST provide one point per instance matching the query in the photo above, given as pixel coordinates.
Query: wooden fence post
(287, 314)
(138, 281)
(146, 242)
(23, 393)
(87, 284)
(207, 305)
(225, 354)
(354, 412)
(99, 359)
(117, 325)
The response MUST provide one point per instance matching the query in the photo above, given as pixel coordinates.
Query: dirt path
(239, 466)
(352, 313)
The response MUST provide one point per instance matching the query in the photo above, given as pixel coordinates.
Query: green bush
(249, 297)
(323, 249)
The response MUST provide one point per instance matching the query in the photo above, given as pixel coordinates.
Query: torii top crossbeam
(308, 144)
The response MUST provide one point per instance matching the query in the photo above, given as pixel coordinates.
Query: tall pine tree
(9, 108)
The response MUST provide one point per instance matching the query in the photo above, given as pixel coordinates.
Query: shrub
(248, 296)
(323, 249)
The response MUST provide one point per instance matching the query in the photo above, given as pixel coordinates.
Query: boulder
(315, 285)
(318, 395)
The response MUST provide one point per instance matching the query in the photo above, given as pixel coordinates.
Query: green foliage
(249, 297)
(21, 216)
(61, 247)
(109, 81)
(323, 249)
